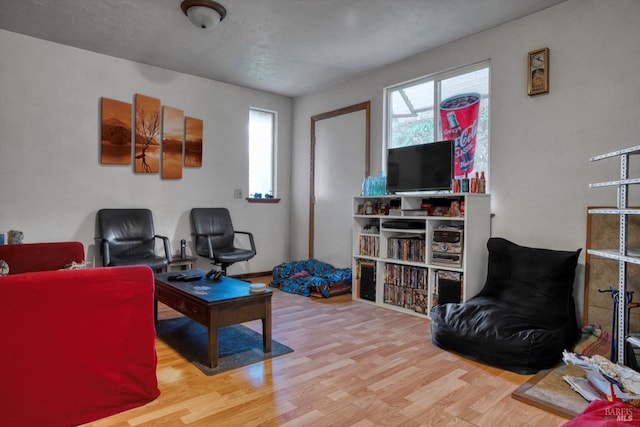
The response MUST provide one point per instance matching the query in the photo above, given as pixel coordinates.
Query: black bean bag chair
(524, 316)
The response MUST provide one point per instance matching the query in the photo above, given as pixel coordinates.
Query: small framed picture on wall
(538, 71)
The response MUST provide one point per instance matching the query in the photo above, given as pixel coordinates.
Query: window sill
(254, 200)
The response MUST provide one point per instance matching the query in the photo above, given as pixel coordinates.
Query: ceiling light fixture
(205, 14)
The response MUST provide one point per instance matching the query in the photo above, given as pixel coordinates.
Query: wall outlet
(237, 193)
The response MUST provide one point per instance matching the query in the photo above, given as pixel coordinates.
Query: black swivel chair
(127, 237)
(214, 234)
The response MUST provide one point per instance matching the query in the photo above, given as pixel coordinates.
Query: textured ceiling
(289, 47)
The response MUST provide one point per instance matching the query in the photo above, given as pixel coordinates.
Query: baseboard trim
(252, 275)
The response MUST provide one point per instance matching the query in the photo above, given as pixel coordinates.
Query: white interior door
(339, 171)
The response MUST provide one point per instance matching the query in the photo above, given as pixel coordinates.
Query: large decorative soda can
(459, 117)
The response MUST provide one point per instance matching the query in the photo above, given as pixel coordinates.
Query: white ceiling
(289, 47)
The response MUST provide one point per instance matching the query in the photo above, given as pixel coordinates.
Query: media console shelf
(622, 254)
(411, 252)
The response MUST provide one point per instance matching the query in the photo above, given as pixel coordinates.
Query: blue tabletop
(209, 290)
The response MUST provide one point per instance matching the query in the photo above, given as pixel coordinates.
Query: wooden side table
(186, 263)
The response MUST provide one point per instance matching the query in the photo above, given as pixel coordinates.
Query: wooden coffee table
(215, 304)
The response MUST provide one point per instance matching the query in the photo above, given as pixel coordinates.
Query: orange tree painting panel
(193, 142)
(115, 146)
(172, 138)
(147, 134)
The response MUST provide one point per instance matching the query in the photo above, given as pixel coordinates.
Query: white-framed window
(262, 137)
(415, 113)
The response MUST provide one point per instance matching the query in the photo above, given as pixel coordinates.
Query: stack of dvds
(369, 245)
(405, 286)
(406, 248)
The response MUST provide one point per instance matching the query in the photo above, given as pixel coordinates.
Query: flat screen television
(422, 167)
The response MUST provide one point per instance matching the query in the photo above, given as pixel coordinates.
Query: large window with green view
(451, 105)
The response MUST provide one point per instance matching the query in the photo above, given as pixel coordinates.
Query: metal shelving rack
(622, 254)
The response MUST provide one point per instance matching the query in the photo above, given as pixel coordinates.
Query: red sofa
(77, 345)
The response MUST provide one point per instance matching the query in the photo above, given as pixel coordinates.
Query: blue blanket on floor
(304, 277)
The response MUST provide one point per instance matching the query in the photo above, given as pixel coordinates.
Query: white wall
(51, 180)
(539, 146)
(52, 183)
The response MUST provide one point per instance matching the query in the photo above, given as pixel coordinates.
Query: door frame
(366, 106)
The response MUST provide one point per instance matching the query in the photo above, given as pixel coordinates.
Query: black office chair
(214, 234)
(127, 237)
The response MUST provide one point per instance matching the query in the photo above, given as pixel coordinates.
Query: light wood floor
(353, 365)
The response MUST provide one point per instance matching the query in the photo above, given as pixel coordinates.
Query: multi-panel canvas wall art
(193, 142)
(147, 159)
(162, 135)
(115, 143)
(172, 142)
